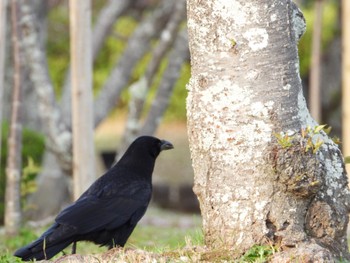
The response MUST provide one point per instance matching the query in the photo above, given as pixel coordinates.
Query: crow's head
(148, 145)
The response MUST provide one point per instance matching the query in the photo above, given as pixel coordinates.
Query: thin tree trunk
(3, 7)
(261, 176)
(82, 98)
(346, 78)
(52, 182)
(315, 72)
(14, 163)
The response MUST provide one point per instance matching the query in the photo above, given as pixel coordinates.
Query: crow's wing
(105, 211)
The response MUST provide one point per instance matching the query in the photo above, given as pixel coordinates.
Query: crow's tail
(37, 250)
(42, 248)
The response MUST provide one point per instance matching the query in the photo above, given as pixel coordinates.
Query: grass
(148, 243)
(160, 239)
(160, 232)
(257, 254)
(151, 239)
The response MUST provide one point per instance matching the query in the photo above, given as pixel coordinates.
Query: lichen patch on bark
(257, 38)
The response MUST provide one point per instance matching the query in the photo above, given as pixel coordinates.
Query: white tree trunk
(84, 172)
(244, 92)
(58, 136)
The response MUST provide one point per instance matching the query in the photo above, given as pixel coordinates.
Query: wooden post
(82, 96)
(315, 92)
(346, 79)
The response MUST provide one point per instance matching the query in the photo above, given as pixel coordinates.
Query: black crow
(109, 210)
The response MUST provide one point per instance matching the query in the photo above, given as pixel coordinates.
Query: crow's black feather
(109, 210)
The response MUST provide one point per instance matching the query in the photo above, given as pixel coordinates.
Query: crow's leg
(112, 244)
(74, 247)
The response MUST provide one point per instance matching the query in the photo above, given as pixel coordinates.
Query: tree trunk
(82, 98)
(30, 114)
(3, 7)
(14, 162)
(55, 185)
(261, 176)
(346, 78)
(59, 137)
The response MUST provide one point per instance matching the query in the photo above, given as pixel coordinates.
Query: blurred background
(140, 69)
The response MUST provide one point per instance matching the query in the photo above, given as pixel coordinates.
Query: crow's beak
(165, 145)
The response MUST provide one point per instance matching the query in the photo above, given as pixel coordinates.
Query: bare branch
(105, 21)
(140, 89)
(177, 58)
(167, 37)
(138, 45)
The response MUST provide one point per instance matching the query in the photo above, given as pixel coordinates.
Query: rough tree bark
(260, 174)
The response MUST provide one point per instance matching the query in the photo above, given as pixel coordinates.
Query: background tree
(265, 172)
(3, 6)
(346, 77)
(13, 215)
